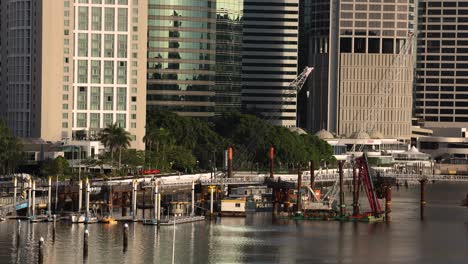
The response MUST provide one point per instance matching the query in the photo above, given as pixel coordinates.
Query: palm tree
(115, 137)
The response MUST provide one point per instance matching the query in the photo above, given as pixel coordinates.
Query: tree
(55, 167)
(115, 137)
(11, 150)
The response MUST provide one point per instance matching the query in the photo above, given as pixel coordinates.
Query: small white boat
(91, 220)
(2, 218)
(77, 218)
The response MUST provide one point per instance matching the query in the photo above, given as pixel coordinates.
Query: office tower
(194, 56)
(80, 65)
(269, 59)
(363, 78)
(441, 96)
(15, 65)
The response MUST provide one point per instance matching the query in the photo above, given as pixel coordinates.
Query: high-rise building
(363, 72)
(73, 67)
(269, 59)
(194, 63)
(441, 96)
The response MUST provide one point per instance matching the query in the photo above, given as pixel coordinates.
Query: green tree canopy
(11, 150)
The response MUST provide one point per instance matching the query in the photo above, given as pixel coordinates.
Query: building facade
(441, 96)
(362, 55)
(194, 63)
(16, 28)
(83, 69)
(269, 59)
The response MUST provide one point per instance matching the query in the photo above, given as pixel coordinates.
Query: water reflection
(441, 238)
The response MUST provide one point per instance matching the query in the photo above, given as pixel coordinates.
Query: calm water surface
(441, 238)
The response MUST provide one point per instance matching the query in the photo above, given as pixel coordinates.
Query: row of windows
(178, 87)
(180, 56)
(94, 120)
(180, 13)
(180, 77)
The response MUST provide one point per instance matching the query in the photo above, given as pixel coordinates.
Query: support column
(342, 202)
(159, 207)
(230, 162)
(80, 195)
(49, 196)
(193, 199)
(87, 197)
(15, 184)
(211, 199)
(388, 202)
(29, 197)
(156, 193)
(355, 192)
(33, 203)
(134, 199)
(299, 188)
(423, 197)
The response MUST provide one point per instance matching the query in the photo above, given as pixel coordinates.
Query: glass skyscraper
(182, 54)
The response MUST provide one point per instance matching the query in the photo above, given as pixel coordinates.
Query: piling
(299, 188)
(355, 192)
(423, 197)
(53, 227)
(388, 203)
(312, 175)
(272, 155)
(18, 233)
(125, 237)
(15, 186)
(342, 202)
(29, 197)
(87, 197)
(80, 195)
(49, 196)
(85, 243)
(33, 203)
(193, 199)
(212, 188)
(230, 162)
(41, 250)
(134, 200)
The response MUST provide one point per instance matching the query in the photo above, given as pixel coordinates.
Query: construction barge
(306, 203)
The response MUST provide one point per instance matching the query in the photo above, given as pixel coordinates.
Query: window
(108, 72)
(82, 98)
(96, 18)
(95, 99)
(96, 45)
(108, 120)
(121, 99)
(82, 44)
(64, 124)
(95, 71)
(122, 19)
(134, 99)
(109, 18)
(122, 72)
(81, 120)
(133, 125)
(65, 106)
(122, 46)
(64, 115)
(83, 18)
(94, 120)
(108, 46)
(238, 205)
(121, 120)
(82, 71)
(108, 98)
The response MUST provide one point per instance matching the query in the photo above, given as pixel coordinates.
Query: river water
(441, 238)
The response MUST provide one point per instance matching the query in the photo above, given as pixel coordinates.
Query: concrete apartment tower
(73, 67)
(441, 96)
(269, 59)
(362, 82)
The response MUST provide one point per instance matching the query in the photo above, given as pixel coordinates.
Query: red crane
(366, 179)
